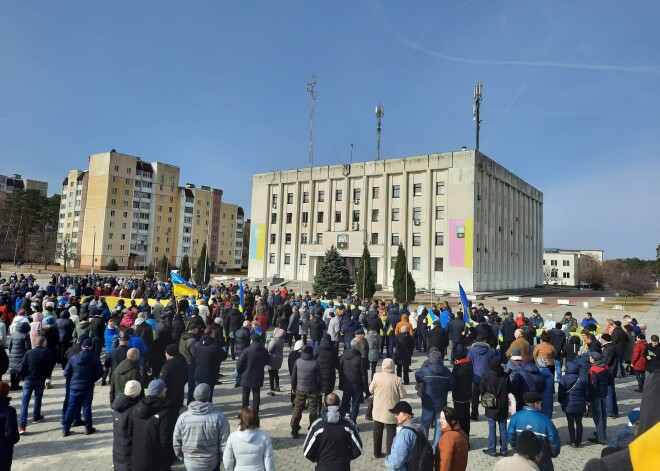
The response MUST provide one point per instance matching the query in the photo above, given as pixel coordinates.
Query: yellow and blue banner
(182, 287)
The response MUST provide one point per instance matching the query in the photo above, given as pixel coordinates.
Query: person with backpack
(494, 388)
(410, 448)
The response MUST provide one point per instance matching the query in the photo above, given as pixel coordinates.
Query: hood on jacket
(247, 435)
(37, 317)
(125, 366)
(151, 405)
(123, 402)
(207, 340)
(23, 327)
(307, 356)
(480, 347)
(572, 368)
(278, 333)
(201, 408)
(352, 353)
(531, 368)
(333, 416)
(388, 366)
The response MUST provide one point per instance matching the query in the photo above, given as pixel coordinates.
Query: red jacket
(638, 359)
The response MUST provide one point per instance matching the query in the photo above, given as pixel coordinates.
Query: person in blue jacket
(434, 381)
(405, 438)
(588, 320)
(572, 395)
(532, 419)
(480, 355)
(549, 390)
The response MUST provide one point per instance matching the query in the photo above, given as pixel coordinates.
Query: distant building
(16, 182)
(459, 215)
(230, 250)
(560, 266)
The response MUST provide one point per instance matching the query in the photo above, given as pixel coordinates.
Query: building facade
(231, 230)
(9, 184)
(560, 266)
(459, 215)
(73, 203)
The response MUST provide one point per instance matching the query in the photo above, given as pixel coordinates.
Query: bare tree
(592, 272)
(550, 275)
(66, 251)
(633, 281)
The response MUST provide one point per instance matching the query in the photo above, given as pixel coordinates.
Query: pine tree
(365, 281)
(333, 276)
(184, 271)
(163, 268)
(112, 265)
(202, 274)
(401, 273)
(149, 274)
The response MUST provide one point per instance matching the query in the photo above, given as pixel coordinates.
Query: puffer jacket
(453, 449)
(151, 425)
(328, 360)
(638, 361)
(463, 375)
(276, 349)
(527, 379)
(373, 340)
(332, 442)
(387, 390)
(208, 356)
(480, 355)
(83, 370)
(402, 446)
(249, 450)
(306, 375)
(19, 343)
(242, 341)
(121, 441)
(316, 328)
(435, 382)
(65, 328)
(250, 365)
(35, 328)
(573, 390)
(350, 368)
(404, 323)
(404, 349)
(200, 437)
(548, 392)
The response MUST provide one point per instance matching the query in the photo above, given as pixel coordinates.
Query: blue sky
(571, 94)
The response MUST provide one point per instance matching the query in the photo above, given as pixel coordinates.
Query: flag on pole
(465, 303)
(431, 317)
(241, 294)
(181, 286)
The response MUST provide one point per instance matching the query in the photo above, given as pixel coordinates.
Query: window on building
(305, 217)
(374, 192)
(566, 274)
(374, 238)
(439, 264)
(303, 238)
(395, 214)
(395, 238)
(396, 191)
(273, 218)
(417, 239)
(337, 216)
(357, 194)
(287, 238)
(439, 212)
(303, 259)
(543, 261)
(439, 238)
(337, 195)
(417, 214)
(113, 201)
(392, 262)
(305, 196)
(553, 263)
(440, 188)
(112, 212)
(374, 215)
(114, 191)
(289, 218)
(416, 263)
(289, 198)
(109, 246)
(116, 170)
(287, 259)
(319, 238)
(417, 189)
(272, 238)
(356, 216)
(321, 196)
(566, 263)
(271, 258)
(319, 216)
(273, 199)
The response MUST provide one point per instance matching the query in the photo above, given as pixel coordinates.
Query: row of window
(438, 266)
(416, 238)
(375, 215)
(565, 263)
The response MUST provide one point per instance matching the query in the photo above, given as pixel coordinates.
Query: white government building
(459, 215)
(560, 266)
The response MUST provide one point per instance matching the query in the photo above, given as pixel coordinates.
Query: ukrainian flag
(182, 287)
(431, 318)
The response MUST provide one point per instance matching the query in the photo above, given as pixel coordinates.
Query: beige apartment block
(165, 212)
(230, 247)
(460, 216)
(72, 213)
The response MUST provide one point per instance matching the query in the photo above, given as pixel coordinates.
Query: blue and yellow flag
(465, 303)
(431, 317)
(182, 287)
(241, 295)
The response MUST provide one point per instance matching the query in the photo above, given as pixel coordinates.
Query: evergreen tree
(401, 274)
(365, 281)
(202, 275)
(112, 265)
(150, 272)
(184, 271)
(333, 276)
(163, 269)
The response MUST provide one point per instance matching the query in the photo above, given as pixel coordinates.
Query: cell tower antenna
(312, 99)
(380, 112)
(475, 110)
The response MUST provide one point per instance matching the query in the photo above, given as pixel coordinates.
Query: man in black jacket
(350, 380)
(250, 366)
(316, 329)
(234, 322)
(455, 330)
(36, 367)
(612, 361)
(175, 375)
(558, 340)
(437, 337)
(462, 376)
(306, 385)
(509, 328)
(122, 442)
(208, 356)
(332, 442)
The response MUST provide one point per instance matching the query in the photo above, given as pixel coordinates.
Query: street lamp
(93, 249)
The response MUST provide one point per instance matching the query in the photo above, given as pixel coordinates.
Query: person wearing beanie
(462, 374)
(528, 454)
(121, 441)
(495, 382)
(599, 382)
(82, 371)
(306, 386)
(433, 383)
(200, 433)
(175, 375)
(250, 366)
(151, 426)
(531, 419)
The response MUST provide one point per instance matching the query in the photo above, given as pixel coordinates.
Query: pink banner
(456, 245)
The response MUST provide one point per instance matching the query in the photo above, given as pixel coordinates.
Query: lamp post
(93, 248)
(380, 112)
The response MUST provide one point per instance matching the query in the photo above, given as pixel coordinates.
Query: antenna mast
(312, 98)
(475, 110)
(380, 112)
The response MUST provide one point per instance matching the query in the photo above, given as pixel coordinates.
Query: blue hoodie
(573, 390)
(480, 355)
(109, 336)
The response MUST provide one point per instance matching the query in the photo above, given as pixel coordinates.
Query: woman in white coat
(249, 448)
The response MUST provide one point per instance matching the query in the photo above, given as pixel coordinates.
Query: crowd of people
(161, 357)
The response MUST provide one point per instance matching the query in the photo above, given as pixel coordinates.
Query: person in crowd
(437, 337)
(455, 329)
(479, 355)
(547, 394)
(36, 367)
(306, 385)
(638, 361)
(409, 431)
(508, 328)
(387, 390)
(588, 320)
(572, 395)
(65, 328)
(316, 329)
(404, 347)
(651, 353)
(175, 375)
(151, 427)
(127, 370)
(374, 341)
(531, 419)
(351, 380)
(19, 344)
(249, 448)
(9, 426)
(529, 452)
(519, 342)
(250, 366)
(452, 449)
(82, 371)
(201, 433)
(433, 383)
(332, 441)
(122, 442)
(569, 323)
(276, 349)
(495, 382)
(462, 375)
(599, 381)
(208, 356)
(187, 348)
(612, 360)
(558, 340)
(526, 379)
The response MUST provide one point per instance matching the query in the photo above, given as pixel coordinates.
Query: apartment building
(9, 184)
(230, 247)
(73, 203)
(459, 215)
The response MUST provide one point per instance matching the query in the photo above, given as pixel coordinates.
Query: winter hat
(87, 343)
(494, 364)
(82, 338)
(139, 321)
(132, 388)
(327, 336)
(156, 387)
(515, 352)
(298, 345)
(307, 349)
(172, 349)
(633, 416)
(431, 350)
(202, 393)
(528, 444)
(50, 304)
(435, 357)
